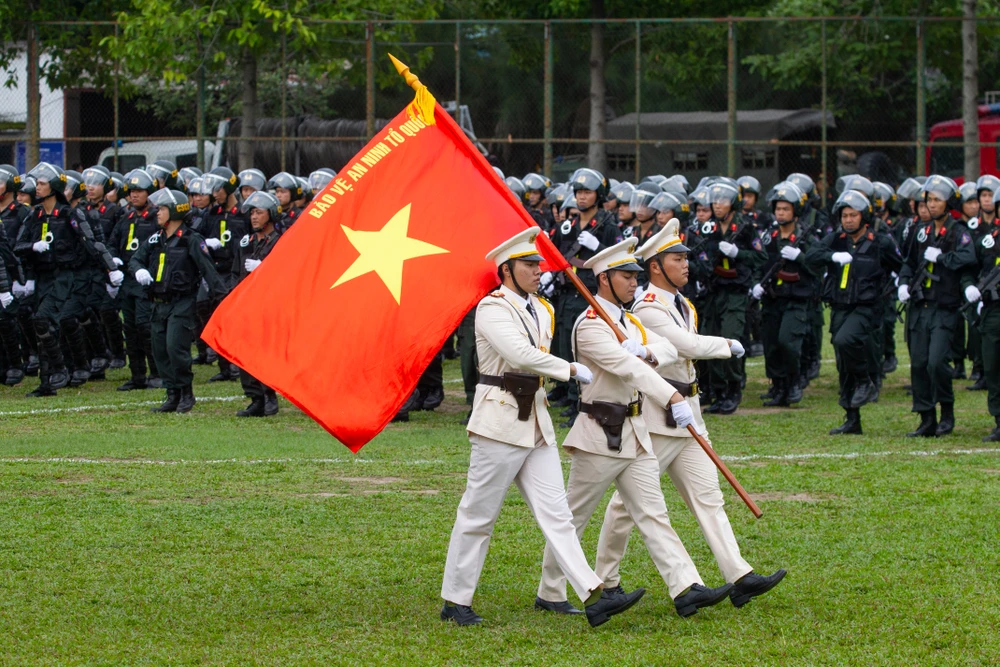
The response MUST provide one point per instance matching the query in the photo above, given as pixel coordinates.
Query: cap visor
(531, 258)
(680, 247)
(631, 266)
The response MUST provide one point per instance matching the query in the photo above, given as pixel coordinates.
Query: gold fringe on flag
(423, 103)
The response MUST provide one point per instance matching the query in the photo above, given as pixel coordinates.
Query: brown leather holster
(523, 386)
(611, 417)
(723, 272)
(788, 276)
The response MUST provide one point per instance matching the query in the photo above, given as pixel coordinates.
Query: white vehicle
(137, 154)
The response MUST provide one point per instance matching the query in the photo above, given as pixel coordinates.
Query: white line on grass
(116, 406)
(750, 457)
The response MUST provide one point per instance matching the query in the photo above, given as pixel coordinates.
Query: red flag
(357, 297)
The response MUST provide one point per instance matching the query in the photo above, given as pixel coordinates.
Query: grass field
(128, 538)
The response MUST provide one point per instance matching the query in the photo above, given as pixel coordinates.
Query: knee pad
(41, 327)
(70, 324)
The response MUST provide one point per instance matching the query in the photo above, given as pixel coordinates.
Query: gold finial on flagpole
(423, 102)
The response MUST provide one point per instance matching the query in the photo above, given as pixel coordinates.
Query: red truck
(945, 154)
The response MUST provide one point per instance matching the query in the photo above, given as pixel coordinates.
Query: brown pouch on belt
(523, 386)
(611, 417)
(724, 273)
(788, 276)
(685, 389)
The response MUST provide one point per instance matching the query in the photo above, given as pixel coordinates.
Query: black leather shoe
(947, 423)
(41, 392)
(270, 403)
(31, 368)
(433, 400)
(220, 377)
(154, 382)
(699, 596)
(994, 436)
(569, 422)
(851, 425)
(255, 409)
(890, 364)
(813, 370)
(753, 585)
(116, 363)
(79, 378)
(133, 384)
(468, 417)
(568, 412)
(611, 603)
(59, 378)
(728, 406)
(980, 385)
(14, 376)
(187, 399)
(460, 613)
(557, 394)
(779, 394)
(557, 607)
(863, 394)
(169, 405)
(715, 406)
(769, 394)
(928, 426)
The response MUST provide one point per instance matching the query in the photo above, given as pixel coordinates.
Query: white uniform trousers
(638, 482)
(697, 481)
(493, 466)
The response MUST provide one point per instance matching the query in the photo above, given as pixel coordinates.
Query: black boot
(813, 370)
(31, 368)
(890, 364)
(77, 339)
(851, 425)
(864, 391)
(732, 401)
(769, 394)
(779, 397)
(994, 435)
(187, 399)
(412, 404)
(44, 388)
(270, 403)
(14, 376)
(133, 384)
(434, 398)
(795, 387)
(169, 405)
(947, 423)
(980, 384)
(255, 409)
(928, 425)
(958, 370)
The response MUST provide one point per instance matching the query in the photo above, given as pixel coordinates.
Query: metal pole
(822, 127)
(118, 62)
(200, 121)
(284, 98)
(547, 102)
(731, 126)
(34, 102)
(638, 98)
(458, 71)
(370, 79)
(921, 100)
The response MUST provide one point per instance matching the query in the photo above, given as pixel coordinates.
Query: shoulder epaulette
(591, 314)
(649, 298)
(497, 294)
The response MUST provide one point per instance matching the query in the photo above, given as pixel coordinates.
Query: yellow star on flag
(385, 251)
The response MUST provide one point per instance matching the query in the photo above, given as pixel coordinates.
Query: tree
(970, 89)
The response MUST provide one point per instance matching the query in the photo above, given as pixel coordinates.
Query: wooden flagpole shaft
(585, 293)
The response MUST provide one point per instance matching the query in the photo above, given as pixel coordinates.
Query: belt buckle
(694, 389)
(633, 409)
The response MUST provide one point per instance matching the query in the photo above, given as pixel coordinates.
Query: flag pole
(723, 468)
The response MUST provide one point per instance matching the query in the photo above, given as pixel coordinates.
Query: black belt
(633, 409)
(611, 417)
(683, 388)
(523, 386)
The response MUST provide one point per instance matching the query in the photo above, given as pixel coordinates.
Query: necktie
(531, 310)
(681, 307)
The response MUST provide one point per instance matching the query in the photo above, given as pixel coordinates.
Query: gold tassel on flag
(423, 103)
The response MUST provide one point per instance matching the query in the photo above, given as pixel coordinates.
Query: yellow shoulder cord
(552, 315)
(694, 311)
(636, 322)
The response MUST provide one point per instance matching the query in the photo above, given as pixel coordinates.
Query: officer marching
(664, 311)
(261, 208)
(610, 444)
(172, 264)
(513, 441)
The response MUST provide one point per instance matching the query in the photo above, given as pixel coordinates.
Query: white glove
(728, 249)
(682, 414)
(29, 288)
(214, 244)
(972, 294)
(118, 262)
(547, 292)
(40, 246)
(634, 347)
(791, 253)
(736, 347)
(546, 279)
(112, 290)
(116, 277)
(583, 374)
(758, 292)
(903, 292)
(18, 290)
(143, 277)
(6, 298)
(587, 240)
(251, 264)
(638, 293)
(842, 258)
(931, 254)
(979, 308)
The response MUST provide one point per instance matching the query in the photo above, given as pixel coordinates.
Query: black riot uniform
(940, 263)
(988, 319)
(10, 337)
(134, 228)
(857, 265)
(173, 267)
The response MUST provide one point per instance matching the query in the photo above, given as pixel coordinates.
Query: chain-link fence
(765, 97)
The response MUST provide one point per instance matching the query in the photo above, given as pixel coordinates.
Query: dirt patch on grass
(992, 471)
(367, 492)
(763, 411)
(74, 479)
(795, 497)
(370, 480)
